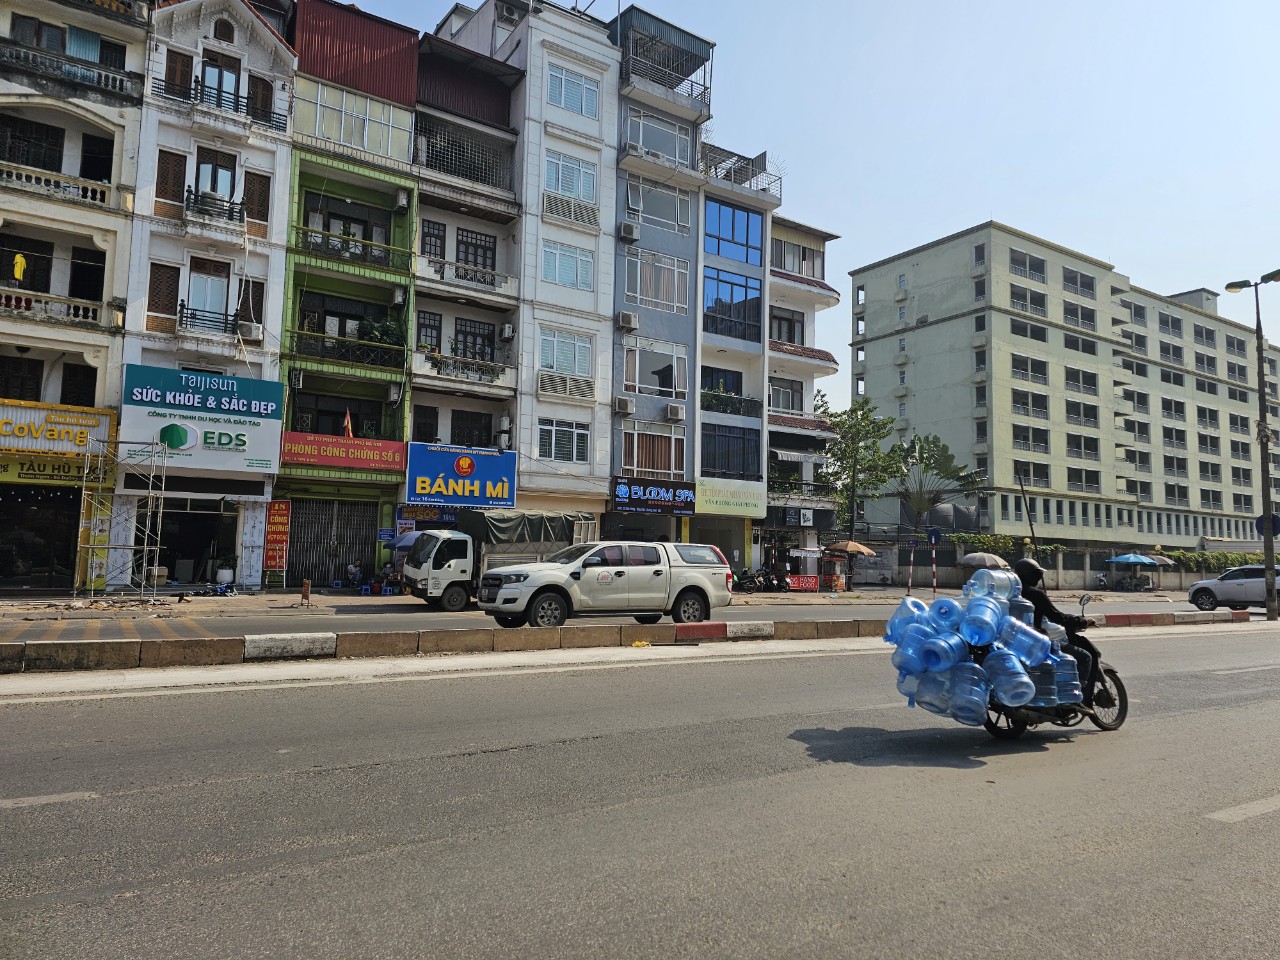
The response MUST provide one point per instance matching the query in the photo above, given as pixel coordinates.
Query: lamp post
(1264, 440)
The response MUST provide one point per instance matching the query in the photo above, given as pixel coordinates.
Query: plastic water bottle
(946, 615)
(909, 611)
(933, 692)
(982, 619)
(1027, 644)
(998, 583)
(907, 658)
(1056, 632)
(907, 684)
(943, 651)
(1023, 610)
(1045, 678)
(1067, 676)
(969, 694)
(1009, 681)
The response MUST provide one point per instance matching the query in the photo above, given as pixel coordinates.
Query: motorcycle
(746, 582)
(779, 582)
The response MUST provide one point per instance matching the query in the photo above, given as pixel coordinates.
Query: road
(725, 801)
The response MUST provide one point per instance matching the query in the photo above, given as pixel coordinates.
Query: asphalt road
(725, 801)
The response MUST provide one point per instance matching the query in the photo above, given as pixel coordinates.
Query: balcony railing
(480, 279)
(467, 368)
(802, 488)
(461, 152)
(335, 246)
(58, 186)
(206, 321)
(713, 401)
(748, 330)
(322, 346)
(61, 67)
(213, 206)
(200, 93)
(641, 68)
(742, 171)
(125, 9)
(41, 306)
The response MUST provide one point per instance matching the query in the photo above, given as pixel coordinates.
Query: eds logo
(178, 436)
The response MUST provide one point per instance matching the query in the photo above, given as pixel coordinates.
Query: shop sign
(405, 526)
(386, 534)
(802, 582)
(353, 453)
(446, 475)
(52, 429)
(51, 471)
(731, 498)
(653, 496)
(410, 513)
(205, 421)
(275, 552)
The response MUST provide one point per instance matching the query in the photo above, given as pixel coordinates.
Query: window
(786, 326)
(902, 377)
(1170, 352)
(979, 360)
(1027, 368)
(902, 344)
(1175, 466)
(902, 313)
(354, 119)
(1080, 344)
(1238, 372)
(1204, 336)
(471, 428)
(344, 225)
(979, 290)
(473, 339)
(563, 352)
(731, 305)
(348, 318)
(1236, 346)
(1206, 363)
(219, 80)
(215, 172)
(1173, 409)
(224, 30)
(653, 451)
(326, 415)
(1140, 430)
(1035, 439)
(1137, 312)
(1240, 450)
(1239, 423)
(1170, 325)
(1208, 443)
(730, 452)
(1242, 503)
(1141, 401)
(1028, 301)
(1082, 381)
(1140, 460)
(979, 427)
(568, 266)
(433, 239)
(733, 232)
(162, 295)
(979, 254)
(1033, 474)
(902, 409)
(1176, 494)
(657, 368)
(1026, 265)
(657, 135)
(563, 440)
(429, 325)
(1137, 341)
(257, 196)
(1172, 377)
(902, 281)
(1086, 481)
(1082, 447)
(657, 205)
(1020, 328)
(571, 177)
(1235, 393)
(1210, 499)
(573, 91)
(171, 176)
(786, 395)
(31, 143)
(1206, 386)
(797, 258)
(860, 294)
(208, 285)
(1241, 477)
(657, 280)
(1210, 472)
(980, 395)
(1207, 417)
(1135, 367)
(1139, 490)
(79, 385)
(980, 323)
(1030, 404)
(1081, 284)
(1174, 438)
(479, 251)
(1086, 318)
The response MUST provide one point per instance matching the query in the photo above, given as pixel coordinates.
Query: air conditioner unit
(249, 331)
(508, 14)
(508, 331)
(634, 150)
(625, 406)
(504, 423)
(628, 320)
(628, 233)
(675, 411)
(399, 297)
(402, 200)
(504, 441)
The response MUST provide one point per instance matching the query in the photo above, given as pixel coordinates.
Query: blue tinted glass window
(734, 233)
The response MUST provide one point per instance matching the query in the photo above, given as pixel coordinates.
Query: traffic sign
(935, 536)
(1275, 525)
(913, 544)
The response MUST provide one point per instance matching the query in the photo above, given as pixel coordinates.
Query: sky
(1140, 132)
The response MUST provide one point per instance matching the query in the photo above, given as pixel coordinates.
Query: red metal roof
(805, 281)
(343, 45)
(796, 350)
(799, 423)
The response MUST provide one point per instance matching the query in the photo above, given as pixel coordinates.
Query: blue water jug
(1009, 681)
(1023, 610)
(1045, 677)
(1067, 676)
(943, 651)
(946, 615)
(1027, 644)
(907, 657)
(997, 583)
(982, 619)
(907, 683)
(909, 611)
(1056, 632)
(969, 694)
(933, 692)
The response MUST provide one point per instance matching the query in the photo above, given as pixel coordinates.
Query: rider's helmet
(1029, 572)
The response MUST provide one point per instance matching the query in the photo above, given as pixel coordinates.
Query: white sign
(731, 498)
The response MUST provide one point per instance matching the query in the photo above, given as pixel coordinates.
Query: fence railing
(45, 305)
(634, 66)
(802, 488)
(335, 246)
(60, 67)
(59, 186)
(322, 346)
(199, 92)
(476, 278)
(206, 321)
(214, 206)
(713, 401)
(467, 368)
(748, 330)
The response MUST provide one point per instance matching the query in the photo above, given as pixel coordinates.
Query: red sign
(276, 549)
(354, 453)
(803, 582)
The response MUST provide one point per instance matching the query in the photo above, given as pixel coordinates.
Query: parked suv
(1237, 589)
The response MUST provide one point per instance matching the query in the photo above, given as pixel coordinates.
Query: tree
(928, 476)
(856, 463)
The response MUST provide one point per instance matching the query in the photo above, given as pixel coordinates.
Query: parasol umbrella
(1135, 558)
(851, 547)
(404, 541)
(983, 561)
(1162, 561)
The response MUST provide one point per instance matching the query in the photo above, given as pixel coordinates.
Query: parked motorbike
(746, 582)
(773, 582)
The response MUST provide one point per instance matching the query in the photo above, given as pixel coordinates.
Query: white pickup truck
(642, 580)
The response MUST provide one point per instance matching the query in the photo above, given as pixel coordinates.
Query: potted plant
(226, 569)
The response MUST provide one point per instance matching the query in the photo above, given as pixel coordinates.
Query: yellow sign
(52, 429)
(45, 471)
(731, 498)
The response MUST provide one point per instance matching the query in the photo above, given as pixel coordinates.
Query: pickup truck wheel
(1204, 600)
(454, 598)
(548, 610)
(649, 618)
(690, 607)
(509, 621)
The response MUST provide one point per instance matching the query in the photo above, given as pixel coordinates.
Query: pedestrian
(355, 574)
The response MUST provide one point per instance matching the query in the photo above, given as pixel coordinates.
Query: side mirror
(593, 562)
(1085, 601)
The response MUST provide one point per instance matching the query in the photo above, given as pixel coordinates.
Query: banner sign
(354, 453)
(205, 421)
(802, 582)
(446, 475)
(653, 496)
(275, 554)
(410, 513)
(52, 429)
(731, 498)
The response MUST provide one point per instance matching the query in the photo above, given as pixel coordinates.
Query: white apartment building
(1129, 415)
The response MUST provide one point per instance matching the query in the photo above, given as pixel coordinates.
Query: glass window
(653, 451)
(668, 208)
(731, 305)
(654, 134)
(786, 326)
(573, 91)
(563, 440)
(353, 119)
(730, 452)
(471, 428)
(658, 281)
(433, 239)
(429, 324)
(786, 395)
(733, 232)
(571, 177)
(655, 368)
(568, 266)
(562, 352)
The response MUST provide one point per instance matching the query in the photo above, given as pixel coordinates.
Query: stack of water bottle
(952, 655)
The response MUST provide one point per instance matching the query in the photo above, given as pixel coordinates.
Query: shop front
(723, 515)
(788, 541)
(197, 457)
(44, 449)
(648, 509)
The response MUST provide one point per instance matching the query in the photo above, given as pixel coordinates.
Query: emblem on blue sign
(622, 492)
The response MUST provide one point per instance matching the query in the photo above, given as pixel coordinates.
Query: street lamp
(1264, 440)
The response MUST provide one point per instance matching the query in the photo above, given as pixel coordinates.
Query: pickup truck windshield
(422, 550)
(571, 554)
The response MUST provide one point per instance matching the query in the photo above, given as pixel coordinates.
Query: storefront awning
(791, 456)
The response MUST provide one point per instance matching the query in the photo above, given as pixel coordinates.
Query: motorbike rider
(1086, 654)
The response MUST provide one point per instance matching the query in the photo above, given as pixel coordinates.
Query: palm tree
(929, 477)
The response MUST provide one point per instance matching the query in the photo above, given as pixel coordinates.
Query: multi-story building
(206, 298)
(71, 76)
(1128, 417)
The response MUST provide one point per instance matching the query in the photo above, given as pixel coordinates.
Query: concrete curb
(208, 651)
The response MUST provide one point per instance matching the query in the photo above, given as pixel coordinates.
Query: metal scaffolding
(102, 555)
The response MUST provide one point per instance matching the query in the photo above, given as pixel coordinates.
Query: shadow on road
(961, 748)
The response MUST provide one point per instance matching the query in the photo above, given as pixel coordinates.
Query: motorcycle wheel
(1002, 725)
(746, 587)
(1111, 692)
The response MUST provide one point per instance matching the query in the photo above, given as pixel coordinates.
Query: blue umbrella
(1133, 558)
(405, 540)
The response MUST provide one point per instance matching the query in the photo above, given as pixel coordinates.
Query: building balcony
(818, 292)
(206, 321)
(463, 375)
(741, 334)
(469, 171)
(634, 158)
(351, 251)
(715, 401)
(78, 75)
(48, 308)
(240, 109)
(749, 176)
(662, 65)
(794, 421)
(802, 493)
(464, 283)
(59, 186)
(816, 362)
(132, 12)
(343, 352)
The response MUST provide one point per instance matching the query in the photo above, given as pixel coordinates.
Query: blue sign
(935, 536)
(1259, 525)
(653, 496)
(913, 543)
(449, 476)
(386, 534)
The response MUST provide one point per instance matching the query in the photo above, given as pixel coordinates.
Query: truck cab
(439, 568)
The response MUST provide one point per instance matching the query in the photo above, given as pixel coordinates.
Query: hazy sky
(1142, 132)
